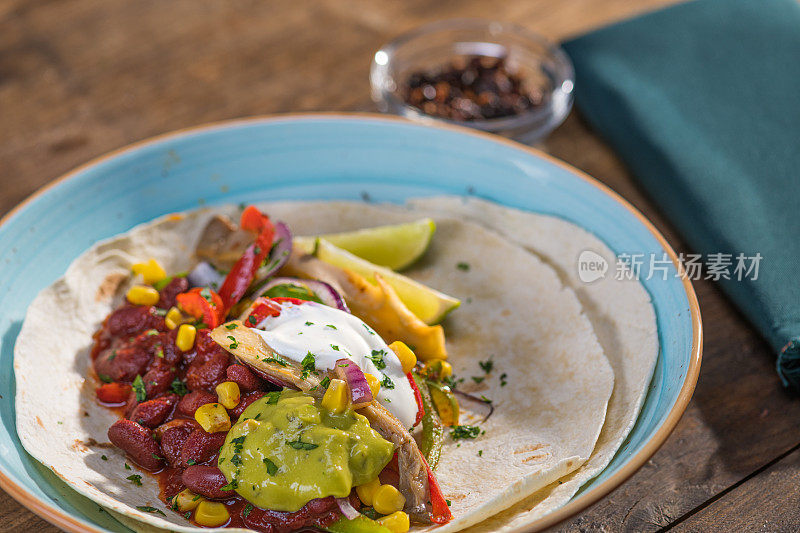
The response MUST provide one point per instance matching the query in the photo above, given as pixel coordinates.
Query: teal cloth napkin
(702, 102)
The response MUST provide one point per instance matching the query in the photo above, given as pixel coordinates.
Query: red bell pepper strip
(244, 271)
(417, 398)
(264, 307)
(203, 304)
(113, 392)
(440, 511)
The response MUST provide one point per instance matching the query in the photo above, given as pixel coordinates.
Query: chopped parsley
(335, 347)
(136, 479)
(206, 295)
(231, 486)
(105, 379)
(231, 326)
(148, 509)
(503, 381)
(278, 360)
(151, 332)
(448, 502)
(127, 466)
(325, 382)
(272, 397)
(247, 509)
(234, 344)
(377, 359)
(387, 383)
(452, 381)
(272, 468)
(331, 326)
(309, 323)
(487, 365)
(478, 379)
(464, 432)
(138, 388)
(238, 443)
(309, 364)
(252, 320)
(104, 458)
(369, 330)
(178, 387)
(112, 356)
(300, 445)
(236, 459)
(484, 399)
(461, 265)
(191, 462)
(480, 453)
(188, 515)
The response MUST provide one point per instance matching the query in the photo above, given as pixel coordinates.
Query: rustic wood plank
(81, 77)
(767, 502)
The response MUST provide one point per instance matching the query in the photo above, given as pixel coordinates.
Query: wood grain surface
(81, 77)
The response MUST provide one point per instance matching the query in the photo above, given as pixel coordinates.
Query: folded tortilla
(515, 310)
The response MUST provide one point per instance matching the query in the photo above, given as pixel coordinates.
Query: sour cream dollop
(331, 334)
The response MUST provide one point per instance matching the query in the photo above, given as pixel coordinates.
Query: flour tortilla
(621, 312)
(515, 310)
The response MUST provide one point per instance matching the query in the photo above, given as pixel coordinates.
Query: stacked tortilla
(577, 357)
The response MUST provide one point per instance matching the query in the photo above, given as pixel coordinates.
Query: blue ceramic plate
(320, 157)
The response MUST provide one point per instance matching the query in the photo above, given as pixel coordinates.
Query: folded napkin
(701, 100)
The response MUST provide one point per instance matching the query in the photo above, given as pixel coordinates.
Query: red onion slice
(360, 393)
(281, 250)
(347, 509)
(325, 292)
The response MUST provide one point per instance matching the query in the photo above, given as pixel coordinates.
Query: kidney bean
(123, 363)
(136, 440)
(244, 402)
(243, 377)
(158, 380)
(172, 441)
(152, 413)
(187, 423)
(172, 483)
(201, 446)
(206, 481)
(131, 319)
(171, 290)
(209, 373)
(189, 403)
(320, 512)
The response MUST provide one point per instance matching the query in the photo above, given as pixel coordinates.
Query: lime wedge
(396, 246)
(430, 305)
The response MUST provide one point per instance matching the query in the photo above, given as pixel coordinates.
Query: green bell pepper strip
(432, 428)
(360, 524)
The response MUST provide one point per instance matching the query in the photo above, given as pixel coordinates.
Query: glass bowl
(543, 66)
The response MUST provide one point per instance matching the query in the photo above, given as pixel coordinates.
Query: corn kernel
(387, 500)
(151, 271)
(186, 500)
(213, 417)
(336, 397)
(374, 384)
(407, 358)
(366, 492)
(228, 394)
(174, 318)
(211, 514)
(185, 339)
(396, 522)
(141, 295)
(445, 369)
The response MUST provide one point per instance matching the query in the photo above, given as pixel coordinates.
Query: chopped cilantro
(387, 383)
(309, 323)
(138, 388)
(234, 344)
(377, 359)
(136, 479)
(448, 502)
(272, 468)
(205, 293)
(231, 326)
(300, 445)
(480, 453)
(278, 360)
(231, 486)
(335, 347)
(178, 387)
(151, 332)
(325, 382)
(462, 266)
(112, 356)
(503, 381)
(104, 458)
(487, 365)
(465, 432)
(272, 397)
(252, 320)
(127, 466)
(247, 509)
(369, 330)
(309, 364)
(484, 399)
(330, 326)
(478, 379)
(191, 462)
(105, 379)
(188, 515)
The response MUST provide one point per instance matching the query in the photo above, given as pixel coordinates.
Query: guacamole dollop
(286, 450)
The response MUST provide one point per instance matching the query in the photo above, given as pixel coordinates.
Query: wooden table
(81, 77)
